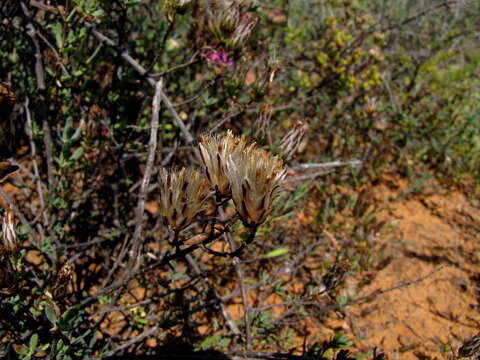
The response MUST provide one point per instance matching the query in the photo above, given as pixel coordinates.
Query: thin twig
(55, 52)
(192, 61)
(418, 15)
(226, 119)
(241, 284)
(33, 150)
(327, 165)
(48, 143)
(42, 6)
(143, 335)
(40, 76)
(125, 55)
(223, 308)
(313, 175)
(39, 71)
(152, 148)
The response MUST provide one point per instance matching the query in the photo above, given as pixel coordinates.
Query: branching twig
(39, 71)
(419, 15)
(143, 335)
(223, 308)
(125, 55)
(327, 165)
(241, 284)
(40, 76)
(152, 148)
(33, 150)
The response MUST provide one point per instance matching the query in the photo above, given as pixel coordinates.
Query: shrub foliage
(110, 247)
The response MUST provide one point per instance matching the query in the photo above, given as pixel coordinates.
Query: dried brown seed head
(243, 31)
(9, 244)
(263, 121)
(215, 151)
(255, 177)
(224, 16)
(64, 277)
(293, 140)
(182, 195)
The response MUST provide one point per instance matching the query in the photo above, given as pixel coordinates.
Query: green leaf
(341, 341)
(224, 342)
(361, 357)
(50, 313)
(210, 341)
(67, 130)
(301, 191)
(178, 275)
(57, 29)
(77, 154)
(93, 341)
(60, 345)
(276, 252)
(98, 13)
(23, 230)
(133, 2)
(33, 343)
(68, 319)
(60, 203)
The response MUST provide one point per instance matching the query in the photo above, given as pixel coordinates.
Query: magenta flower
(220, 57)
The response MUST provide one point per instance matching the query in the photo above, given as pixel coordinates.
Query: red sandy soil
(426, 232)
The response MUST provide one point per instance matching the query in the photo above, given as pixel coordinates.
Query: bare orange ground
(433, 317)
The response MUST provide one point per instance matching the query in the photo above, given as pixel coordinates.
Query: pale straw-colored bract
(214, 152)
(182, 195)
(255, 178)
(293, 139)
(9, 238)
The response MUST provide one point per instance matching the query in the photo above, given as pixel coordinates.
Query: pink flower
(221, 58)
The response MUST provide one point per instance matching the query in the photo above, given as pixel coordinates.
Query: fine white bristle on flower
(214, 153)
(255, 177)
(182, 195)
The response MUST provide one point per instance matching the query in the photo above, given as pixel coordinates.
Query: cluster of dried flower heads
(233, 167)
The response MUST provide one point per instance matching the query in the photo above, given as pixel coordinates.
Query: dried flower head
(182, 194)
(64, 276)
(214, 152)
(293, 139)
(224, 16)
(243, 31)
(265, 78)
(263, 121)
(9, 238)
(371, 106)
(335, 275)
(255, 177)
